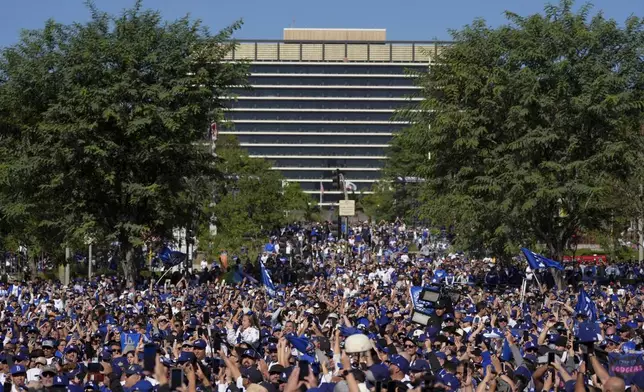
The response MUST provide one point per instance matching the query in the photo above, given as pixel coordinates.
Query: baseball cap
(249, 354)
(61, 381)
(143, 385)
(200, 343)
(401, 363)
(419, 365)
(17, 369)
(134, 369)
(48, 343)
(71, 348)
(186, 356)
(276, 369)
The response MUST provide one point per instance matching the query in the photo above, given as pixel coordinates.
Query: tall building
(324, 99)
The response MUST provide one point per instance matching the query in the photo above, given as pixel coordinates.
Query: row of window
(317, 151)
(309, 116)
(311, 127)
(313, 139)
(318, 104)
(337, 68)
(335, 162)
(329, 81)
(328, 174)
(326, 92)
(315, 186)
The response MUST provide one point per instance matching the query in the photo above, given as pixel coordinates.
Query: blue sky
(403, 19)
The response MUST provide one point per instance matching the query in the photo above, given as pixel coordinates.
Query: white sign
(347, 207)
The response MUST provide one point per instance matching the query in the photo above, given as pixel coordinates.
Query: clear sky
(403, 19)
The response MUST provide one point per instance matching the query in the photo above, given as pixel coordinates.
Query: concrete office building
(323, 99)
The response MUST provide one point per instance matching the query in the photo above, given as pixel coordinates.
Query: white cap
(357, 343)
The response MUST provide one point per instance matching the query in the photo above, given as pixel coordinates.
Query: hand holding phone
(176, 378)
(304, 370)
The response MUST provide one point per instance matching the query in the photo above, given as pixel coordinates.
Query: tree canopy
(102, 127)
(529, 126)
(252, 200)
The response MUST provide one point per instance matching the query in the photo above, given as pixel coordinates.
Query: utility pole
(67, 274)
(640, 222)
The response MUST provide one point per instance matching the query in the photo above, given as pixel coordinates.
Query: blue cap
(22, 357)
(134, 369)
(61, 381)
(441, 355)
(529, 345)
(380, 371)
(17, 369)
(419, 365)
(143, 385)
(451, 381)
(200, 343)
(119, 362)
(92, 386)
(186, 356)
(400, 362)
(249, 354)
(72, 348)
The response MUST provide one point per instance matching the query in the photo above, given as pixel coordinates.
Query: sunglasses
(410, 346)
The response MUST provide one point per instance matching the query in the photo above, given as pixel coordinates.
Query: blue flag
(536, 261)
(419, 305)
(171, 258)
(266, 279)
(300, 343)
(129, 339)
(585, 305)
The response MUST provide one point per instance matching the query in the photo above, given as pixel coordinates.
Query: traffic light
(336, 180)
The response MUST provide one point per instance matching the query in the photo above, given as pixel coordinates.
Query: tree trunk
(33, 269)
(559, 276)
(128, 263)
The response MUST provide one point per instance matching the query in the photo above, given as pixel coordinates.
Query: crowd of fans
(339, 317)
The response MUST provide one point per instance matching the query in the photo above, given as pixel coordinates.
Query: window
(313, 139)
(318, 104)
(309, 116)
(325, 151)
(312, 127)
(336, 68)
(326, 92)
(330, 81)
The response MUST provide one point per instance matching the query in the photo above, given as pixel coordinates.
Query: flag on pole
(266, 279)
(585, 305)
(171, 258)
(321, 191)
(537, 261)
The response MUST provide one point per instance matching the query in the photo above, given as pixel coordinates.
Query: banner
(419, 305)
(129, 339)
(625, 366)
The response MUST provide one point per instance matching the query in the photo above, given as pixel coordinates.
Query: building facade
(324, 100)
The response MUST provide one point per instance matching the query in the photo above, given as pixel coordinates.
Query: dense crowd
(340, 315)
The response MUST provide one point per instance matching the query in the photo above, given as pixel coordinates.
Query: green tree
(528, 126)
(109, 116)
(251, 200)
